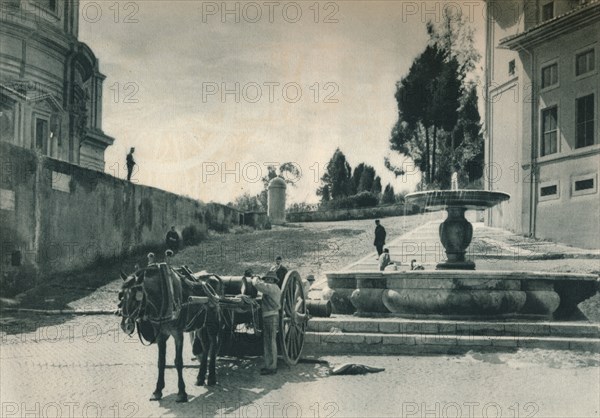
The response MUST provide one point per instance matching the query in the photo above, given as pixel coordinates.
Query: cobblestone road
(85, 366)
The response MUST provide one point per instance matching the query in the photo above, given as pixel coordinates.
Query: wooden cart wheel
(292, 318)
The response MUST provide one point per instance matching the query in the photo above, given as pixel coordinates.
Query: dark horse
(144, 303)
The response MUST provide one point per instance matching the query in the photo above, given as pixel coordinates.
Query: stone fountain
(455, 288)
(456, 231)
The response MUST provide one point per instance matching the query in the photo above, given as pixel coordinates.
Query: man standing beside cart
(280, 270)
(271, 295)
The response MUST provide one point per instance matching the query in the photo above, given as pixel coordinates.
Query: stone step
(321, 343)
(402, 326)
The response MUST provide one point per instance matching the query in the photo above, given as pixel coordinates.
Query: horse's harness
(138, 314)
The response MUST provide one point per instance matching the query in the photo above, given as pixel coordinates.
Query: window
(549, 75)
(584, 116)
(549, 131)
(584, 184)
(41, 135)
(511, 67)
(549, 190)
(547, 11)
(585, 62)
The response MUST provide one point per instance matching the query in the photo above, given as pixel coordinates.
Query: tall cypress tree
(437, 109)
(337, 176)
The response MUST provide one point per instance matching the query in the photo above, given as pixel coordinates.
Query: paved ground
(85, 366)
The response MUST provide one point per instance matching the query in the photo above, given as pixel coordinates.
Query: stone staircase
(354, 335)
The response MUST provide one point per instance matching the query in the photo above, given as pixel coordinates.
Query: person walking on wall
(130, 163)
(379, 241)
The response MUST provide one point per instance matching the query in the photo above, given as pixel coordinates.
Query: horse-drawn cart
(243, 317)
(160, 301)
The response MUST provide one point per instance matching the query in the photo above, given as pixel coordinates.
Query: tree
(376, 188)
(427, 102)
(338, 176)
(356, 175)
(388, 196)
(467, 138)
(456, 36)
(325, 195)
(248, 203)
(289, 172)
(367, 178)
(437, 107)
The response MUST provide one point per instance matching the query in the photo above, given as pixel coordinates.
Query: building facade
(50, 83)
(542, 117)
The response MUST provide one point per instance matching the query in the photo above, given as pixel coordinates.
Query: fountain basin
(468, 294)
(468, 199)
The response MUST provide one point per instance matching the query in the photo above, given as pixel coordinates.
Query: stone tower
(50, 83)
(276, 201)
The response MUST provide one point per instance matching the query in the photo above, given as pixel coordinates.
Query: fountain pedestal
(456, 234)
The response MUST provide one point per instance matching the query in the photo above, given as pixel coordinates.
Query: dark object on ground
(313, 361)
(349, 368)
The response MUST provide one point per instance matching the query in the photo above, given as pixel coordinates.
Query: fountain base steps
(353, 335)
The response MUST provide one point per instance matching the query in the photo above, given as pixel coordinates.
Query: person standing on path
(280, 270)
(172, 240)
(130, 163)
(271, 295)
(379, 238)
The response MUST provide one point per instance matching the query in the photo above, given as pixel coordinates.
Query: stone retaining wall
(55, 216)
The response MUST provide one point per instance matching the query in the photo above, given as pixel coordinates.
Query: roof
(277, 182)
(566, 22)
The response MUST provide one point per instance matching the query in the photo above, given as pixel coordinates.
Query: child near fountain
(385, 260)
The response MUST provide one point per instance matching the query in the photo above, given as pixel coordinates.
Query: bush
(366, 200)
(241, 229)
(360, 200)
(191, 236)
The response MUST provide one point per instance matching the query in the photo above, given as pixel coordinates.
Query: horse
(144, 303)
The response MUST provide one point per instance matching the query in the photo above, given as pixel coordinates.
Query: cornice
(97, 138)
(567, 23)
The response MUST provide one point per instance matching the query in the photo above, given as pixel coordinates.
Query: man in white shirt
(271, 295)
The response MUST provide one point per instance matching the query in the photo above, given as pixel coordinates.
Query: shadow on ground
(241, 388)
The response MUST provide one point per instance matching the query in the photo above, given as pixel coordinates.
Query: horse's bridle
(125, 308)
(140, 310)
(133, 291)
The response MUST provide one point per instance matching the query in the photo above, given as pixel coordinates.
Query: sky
(210, 93)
